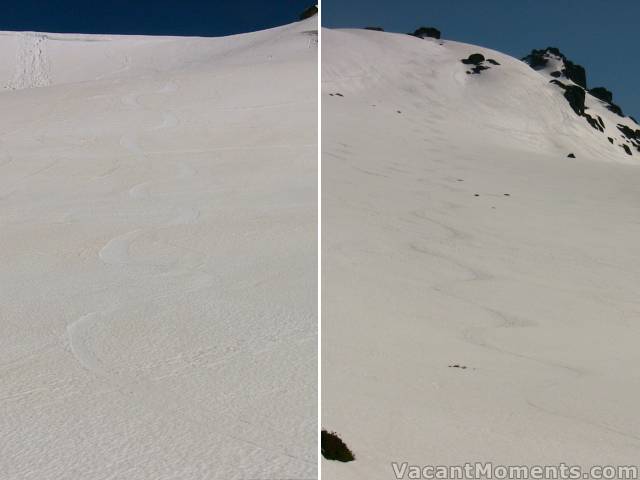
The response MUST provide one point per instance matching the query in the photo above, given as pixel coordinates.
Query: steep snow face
(509, 104)
(158, 217)
(457, 233)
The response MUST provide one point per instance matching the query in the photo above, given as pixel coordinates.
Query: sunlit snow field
(158, 248)
(457, 233)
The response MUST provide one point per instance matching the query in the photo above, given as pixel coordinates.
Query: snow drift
(479, 286)
(158, 216)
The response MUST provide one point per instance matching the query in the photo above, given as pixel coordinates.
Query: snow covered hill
(158, 218)
(479, 285)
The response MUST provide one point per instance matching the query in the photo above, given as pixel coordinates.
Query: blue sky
(146, 17)
(601, 35)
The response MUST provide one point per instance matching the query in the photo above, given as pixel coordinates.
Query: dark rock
(309, 12)
(559, 83)
(629, 132)
(492, 61)
(594, 123)
(375, 29)
(634, 120)
(631, 135)
(555, 51)
(473, 59)
(538, 59)
(427, 32)
(556, 74)
(575, 72)
(571, 155)
(575, 96)
(615, 109)
(627, 149)
(610, 140)
(602, 93)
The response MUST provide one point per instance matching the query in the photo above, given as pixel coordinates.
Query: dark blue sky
(601, 35)
(145, 17)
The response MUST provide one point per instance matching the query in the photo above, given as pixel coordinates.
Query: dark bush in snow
(425, 32)
(333, 448)
(473, 59)
(478, 68)
(309, 12)
(602, 93)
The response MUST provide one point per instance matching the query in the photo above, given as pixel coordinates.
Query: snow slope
(457, 233)
(158, 218)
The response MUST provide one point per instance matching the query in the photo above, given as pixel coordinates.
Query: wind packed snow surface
(480, 288)
(158, 218)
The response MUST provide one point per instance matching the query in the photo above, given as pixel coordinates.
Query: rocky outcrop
(539, 59)
(602, 93)
(309, 12)
(426, 32)
(575, 96)
(575, 72)
(630, 134)
(596, 123)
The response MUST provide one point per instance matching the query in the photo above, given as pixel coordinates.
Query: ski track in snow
(32, 65)
(125, 359)
(117, 250)
(77, 333)
(461, 234)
